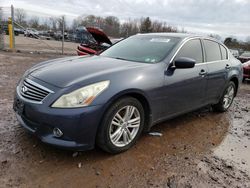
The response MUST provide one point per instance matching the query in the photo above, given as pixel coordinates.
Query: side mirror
(184, 63)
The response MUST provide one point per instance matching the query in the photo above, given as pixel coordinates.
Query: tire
(243, 80)
(226, 99)
(118, 132)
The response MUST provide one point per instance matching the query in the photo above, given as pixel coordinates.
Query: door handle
(202, 72)
(228, 66)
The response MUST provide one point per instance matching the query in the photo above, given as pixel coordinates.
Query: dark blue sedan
(109, 99)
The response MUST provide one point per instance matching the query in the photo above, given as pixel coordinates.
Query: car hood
(64, 72)
(99, 35)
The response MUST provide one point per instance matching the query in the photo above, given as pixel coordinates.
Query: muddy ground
(199, 149)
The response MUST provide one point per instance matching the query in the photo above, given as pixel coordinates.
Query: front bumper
(79, 125)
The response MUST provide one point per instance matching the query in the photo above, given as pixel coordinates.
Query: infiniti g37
(108, 100)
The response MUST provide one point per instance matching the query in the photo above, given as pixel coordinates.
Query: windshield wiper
(120, 58)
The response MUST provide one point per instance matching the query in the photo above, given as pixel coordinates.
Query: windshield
(142, 48)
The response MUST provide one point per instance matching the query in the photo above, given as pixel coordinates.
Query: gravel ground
(199, 149)
(27, 44)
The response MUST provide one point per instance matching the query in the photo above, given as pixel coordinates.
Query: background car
(110, 99)
(246, 70)
(235, 53)
(93, 40)
(58, 35)
(16, 30)
(244, 57)
(30, 32)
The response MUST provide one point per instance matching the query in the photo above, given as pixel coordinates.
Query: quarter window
(192, 49)
(223, 52)
(212, 51)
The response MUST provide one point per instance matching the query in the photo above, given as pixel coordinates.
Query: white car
(235, 53)
(30, 32)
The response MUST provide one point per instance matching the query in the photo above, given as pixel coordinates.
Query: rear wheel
(227, 98)
(121, 126)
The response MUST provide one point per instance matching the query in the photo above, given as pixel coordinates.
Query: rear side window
(223, 52)
(212, 51)
(192, 49)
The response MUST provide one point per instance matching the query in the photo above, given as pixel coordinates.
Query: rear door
(218, 66)
(185, 88)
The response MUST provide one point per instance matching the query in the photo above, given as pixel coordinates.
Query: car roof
(246, 53)
(179, 35)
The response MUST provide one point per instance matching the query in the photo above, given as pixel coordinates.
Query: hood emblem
(24, 89)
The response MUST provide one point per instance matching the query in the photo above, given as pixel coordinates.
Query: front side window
(191, 49)
(212, 51)
(142, 48)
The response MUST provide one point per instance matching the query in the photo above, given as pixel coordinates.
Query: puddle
(236, 146)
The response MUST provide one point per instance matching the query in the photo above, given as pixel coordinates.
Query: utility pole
(13, 21)
(62, 35)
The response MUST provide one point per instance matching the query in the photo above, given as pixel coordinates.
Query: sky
(222, 17)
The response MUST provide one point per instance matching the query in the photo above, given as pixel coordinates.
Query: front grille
(32, 91)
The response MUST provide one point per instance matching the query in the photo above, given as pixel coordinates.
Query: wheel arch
(235, 80)
(141, 97)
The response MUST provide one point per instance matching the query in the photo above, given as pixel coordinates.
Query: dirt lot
(200, 149)
(27, 44)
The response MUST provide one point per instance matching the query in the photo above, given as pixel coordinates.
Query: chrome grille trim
(33, 91)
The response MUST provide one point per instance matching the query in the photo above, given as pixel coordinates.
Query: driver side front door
(185, 89)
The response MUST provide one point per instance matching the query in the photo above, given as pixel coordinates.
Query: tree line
(50, 23)
(111, 25)
(233, 43)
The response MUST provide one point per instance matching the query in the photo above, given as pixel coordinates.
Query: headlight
(81, 97)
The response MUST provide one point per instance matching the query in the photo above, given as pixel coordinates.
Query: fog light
(57, 132)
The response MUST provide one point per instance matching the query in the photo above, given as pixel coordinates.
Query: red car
(244, 57)
(246, 70)
(100, 43)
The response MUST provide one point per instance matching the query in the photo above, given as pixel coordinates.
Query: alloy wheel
(124, 126)
(228, 97)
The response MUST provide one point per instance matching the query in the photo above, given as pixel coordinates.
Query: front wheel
(227, 98)
(122, 125)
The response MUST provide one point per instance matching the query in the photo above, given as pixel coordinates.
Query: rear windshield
(142, 48)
